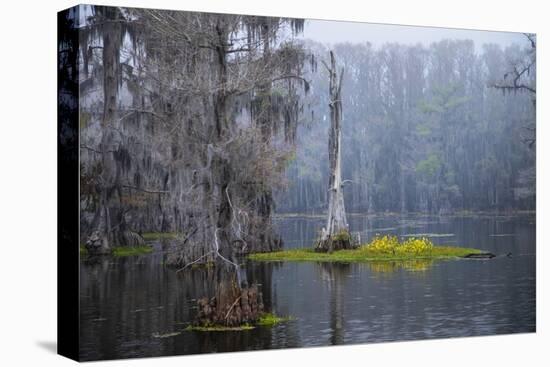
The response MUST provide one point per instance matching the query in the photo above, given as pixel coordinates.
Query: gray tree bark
(109, 228)
(336, 234)
(104, 237)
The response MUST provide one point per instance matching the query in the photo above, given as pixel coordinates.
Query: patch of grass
(219, 328)
(380, 248)
(131, 251)
(266, 320)
(153, 236)
(83, 249)
(270, 319)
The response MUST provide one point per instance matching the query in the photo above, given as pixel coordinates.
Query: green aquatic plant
(131, 251)
(155, 236)
(266, 320)
(218, 328)
(270, 319)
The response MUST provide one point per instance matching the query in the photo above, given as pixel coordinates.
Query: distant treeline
(424, 130)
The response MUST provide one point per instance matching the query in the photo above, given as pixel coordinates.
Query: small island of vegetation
(380, 248)
(266, 320)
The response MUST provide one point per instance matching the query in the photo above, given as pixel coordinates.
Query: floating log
(482, 255)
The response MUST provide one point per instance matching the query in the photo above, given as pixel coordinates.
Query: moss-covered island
(266, 320)
(379, 249)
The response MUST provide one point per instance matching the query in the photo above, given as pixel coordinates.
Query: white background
(28, 183)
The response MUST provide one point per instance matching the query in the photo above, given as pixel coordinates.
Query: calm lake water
(136, 307)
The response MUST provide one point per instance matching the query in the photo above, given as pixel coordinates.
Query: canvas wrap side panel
(67, 184)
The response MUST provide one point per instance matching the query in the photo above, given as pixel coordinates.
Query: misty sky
(326, 31)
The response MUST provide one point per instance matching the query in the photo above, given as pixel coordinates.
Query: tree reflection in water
(334, 275)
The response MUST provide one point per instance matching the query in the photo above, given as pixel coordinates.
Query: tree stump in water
(342, 240)
(336, 235)
(244, 307)
(97, 244)
(101, 244)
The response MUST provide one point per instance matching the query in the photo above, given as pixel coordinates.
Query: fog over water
(326, 31)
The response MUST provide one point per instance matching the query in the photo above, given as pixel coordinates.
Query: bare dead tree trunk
(336, 235)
